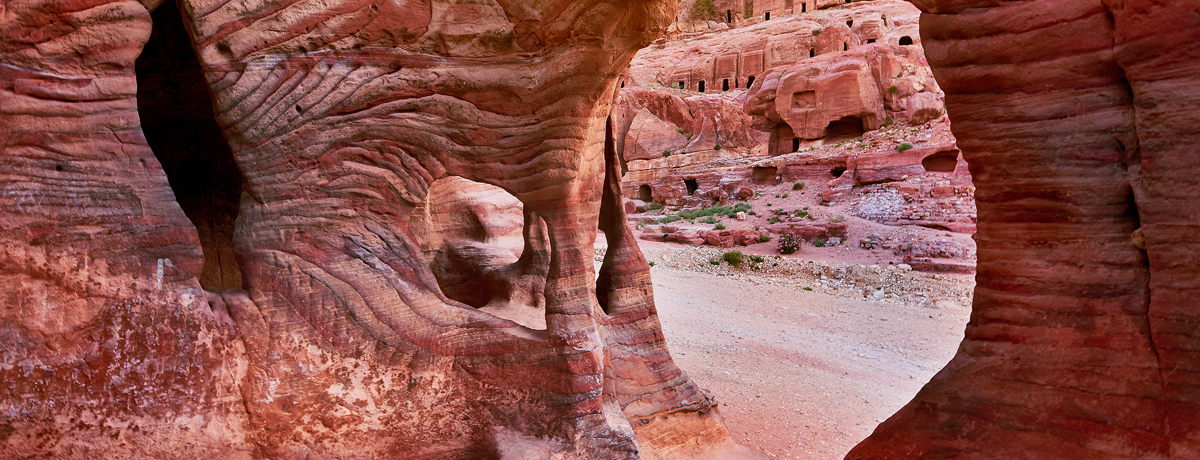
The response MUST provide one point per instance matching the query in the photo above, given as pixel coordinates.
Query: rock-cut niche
(850, 126)
(176, 112)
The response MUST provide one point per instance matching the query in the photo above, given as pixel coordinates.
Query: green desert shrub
(734, 258)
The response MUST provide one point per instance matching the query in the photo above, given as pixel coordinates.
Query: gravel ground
(805, 357)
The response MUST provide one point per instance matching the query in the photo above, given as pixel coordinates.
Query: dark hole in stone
(944, 161)
(906, 40)
(845, 46)
(812, 52)
(725, 84)
(177, 118)
(767, 16)
(729, 16)
(645, 193)
(749, 81)
(622, 84)
(804, 7)
(870, 40)
(58, 167)
(795, 144)
(850, 23)
(691, 185)
(700, 87)
(845, 127)
(837, 171)
(682, 85)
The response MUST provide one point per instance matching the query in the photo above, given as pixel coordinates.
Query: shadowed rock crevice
(175, 108)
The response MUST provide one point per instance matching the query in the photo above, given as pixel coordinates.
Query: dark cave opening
(749, 81)
(645, 193)
(691, 185)
(906, 40)
(944, 161)
(176, 113)
(845, 127)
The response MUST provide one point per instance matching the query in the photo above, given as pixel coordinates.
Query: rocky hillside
(832, 113)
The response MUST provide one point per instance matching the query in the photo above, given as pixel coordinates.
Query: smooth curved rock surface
(1078, 121)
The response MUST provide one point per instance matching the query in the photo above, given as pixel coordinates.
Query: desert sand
(805, 374)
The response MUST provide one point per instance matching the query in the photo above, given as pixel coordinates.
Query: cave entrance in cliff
(767, 16)
(483, 249)
(906, 40)
(700, 87)
(691, 186)
(850, 126)
(645, 193)
(945, 161)
(729, 16)
(175, 108)
(749, 81)
(725, 84)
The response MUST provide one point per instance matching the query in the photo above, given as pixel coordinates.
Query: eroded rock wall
(333, 338)
(108, 346)
(1078, 121)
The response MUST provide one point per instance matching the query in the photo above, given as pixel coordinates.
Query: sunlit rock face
(257, 285)
(1078, 121)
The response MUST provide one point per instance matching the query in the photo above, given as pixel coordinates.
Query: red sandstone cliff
(319, 324)
(1078, 120)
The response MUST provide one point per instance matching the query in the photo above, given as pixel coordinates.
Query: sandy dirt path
(801, 374)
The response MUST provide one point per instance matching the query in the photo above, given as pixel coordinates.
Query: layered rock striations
(327, 320)
(1077, 119)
